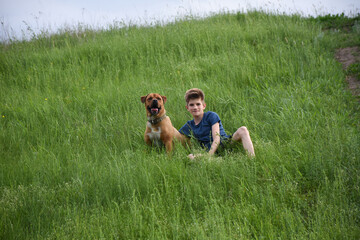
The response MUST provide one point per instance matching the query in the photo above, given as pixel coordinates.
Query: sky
(21, 19)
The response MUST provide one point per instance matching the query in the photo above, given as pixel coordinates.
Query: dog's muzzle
(154, 109)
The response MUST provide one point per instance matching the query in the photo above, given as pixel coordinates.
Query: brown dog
(159, 130)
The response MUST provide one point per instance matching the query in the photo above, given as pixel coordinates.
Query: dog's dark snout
(154, 102)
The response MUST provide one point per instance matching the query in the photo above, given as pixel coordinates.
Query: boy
(207, 128)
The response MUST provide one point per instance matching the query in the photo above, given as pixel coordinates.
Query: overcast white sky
(17, 16)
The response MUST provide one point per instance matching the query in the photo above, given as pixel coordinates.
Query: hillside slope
(73, 161)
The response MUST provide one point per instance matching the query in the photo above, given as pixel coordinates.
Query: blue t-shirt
(202, 132)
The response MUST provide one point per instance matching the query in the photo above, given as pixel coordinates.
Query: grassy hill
(73, 163)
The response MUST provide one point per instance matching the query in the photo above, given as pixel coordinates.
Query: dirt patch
(348, 56)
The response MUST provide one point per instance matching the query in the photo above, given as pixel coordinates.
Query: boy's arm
(215, 129)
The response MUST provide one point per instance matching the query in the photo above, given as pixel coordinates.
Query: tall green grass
(74, 164)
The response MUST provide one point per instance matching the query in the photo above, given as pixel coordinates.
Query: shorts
(227, 146)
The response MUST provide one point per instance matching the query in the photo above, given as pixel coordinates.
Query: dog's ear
(164, 99)
(143, 99)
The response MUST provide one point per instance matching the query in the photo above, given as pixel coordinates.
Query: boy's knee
(243, 131)
(240, 133)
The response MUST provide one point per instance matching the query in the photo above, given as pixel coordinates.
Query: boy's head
(195, 103)
(194, 93)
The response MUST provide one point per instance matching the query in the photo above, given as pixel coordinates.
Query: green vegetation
(354, 70)
(73, 164)
(338, 21)
(343, 31)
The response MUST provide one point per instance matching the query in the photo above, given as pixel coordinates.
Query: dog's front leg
(168, 146)
(147, 139)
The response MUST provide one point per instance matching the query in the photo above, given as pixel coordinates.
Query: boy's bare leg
(243, 135)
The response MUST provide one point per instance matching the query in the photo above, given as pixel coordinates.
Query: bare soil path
(348, 56)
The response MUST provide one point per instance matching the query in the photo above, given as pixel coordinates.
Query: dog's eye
(158, 99)
(149, 99)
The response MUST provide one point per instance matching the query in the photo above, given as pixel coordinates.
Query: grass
(354, 70)
(73, 161)
(338, 21)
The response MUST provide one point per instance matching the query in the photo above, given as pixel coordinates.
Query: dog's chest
(154, 135)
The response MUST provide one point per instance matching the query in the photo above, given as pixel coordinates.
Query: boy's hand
(193, 156)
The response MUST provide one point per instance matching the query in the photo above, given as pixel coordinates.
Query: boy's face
(196, 107)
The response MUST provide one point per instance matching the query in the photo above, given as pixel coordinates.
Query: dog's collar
(157, 120)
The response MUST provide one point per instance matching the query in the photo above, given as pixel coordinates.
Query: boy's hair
(194, 93)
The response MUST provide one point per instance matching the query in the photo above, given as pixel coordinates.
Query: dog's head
(154, 104)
